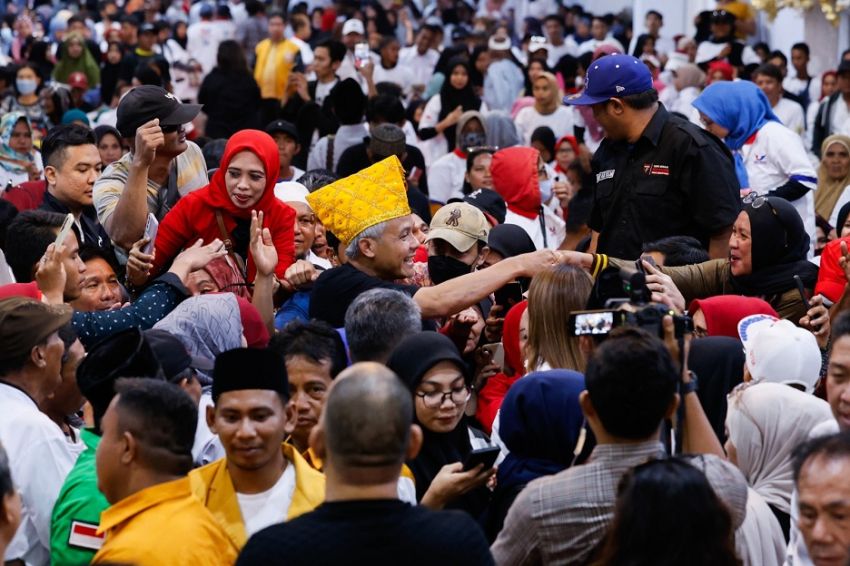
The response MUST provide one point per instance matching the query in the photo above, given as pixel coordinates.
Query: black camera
(616, 288)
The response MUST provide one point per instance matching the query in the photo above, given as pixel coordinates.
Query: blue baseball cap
(610, 76)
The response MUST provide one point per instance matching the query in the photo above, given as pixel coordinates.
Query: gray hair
(377, 321)
(372, 232)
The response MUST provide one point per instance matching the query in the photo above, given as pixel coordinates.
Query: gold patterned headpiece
(371, 196)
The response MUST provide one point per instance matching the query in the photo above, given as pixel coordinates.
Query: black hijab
(451, 98)
(718, 362)
(843, 213)
(779, 249)
(411, 360)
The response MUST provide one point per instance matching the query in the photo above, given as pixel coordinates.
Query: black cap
(144, 103)
(282, 127)
(460, 33)
(722, 17)
(123, 354)
(249, 368)
(843, 67)
(489, 202)
(509, 240)
(147, 28)
(172, 354)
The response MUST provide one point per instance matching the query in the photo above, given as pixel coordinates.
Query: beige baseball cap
(460, 224)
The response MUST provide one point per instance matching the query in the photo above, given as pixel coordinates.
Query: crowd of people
(445, 282)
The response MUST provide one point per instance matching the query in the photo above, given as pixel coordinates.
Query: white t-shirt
(796, 86)
(528, 119)
(400, 75)
(445, 178)
(683, 103)
(421, 66)
(324, 89)
(776, 156)
(39, 459)
(556, 229)
(260, 510)
(791, 115)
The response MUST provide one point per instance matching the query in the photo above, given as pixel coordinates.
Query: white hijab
(766, 422)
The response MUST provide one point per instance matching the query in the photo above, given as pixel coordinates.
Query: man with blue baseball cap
(657, 174)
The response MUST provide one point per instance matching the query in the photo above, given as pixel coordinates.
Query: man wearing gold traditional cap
(369, 213)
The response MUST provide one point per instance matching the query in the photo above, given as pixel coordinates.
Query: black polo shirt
(677, 179)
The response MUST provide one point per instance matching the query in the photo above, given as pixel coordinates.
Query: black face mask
(442, 268)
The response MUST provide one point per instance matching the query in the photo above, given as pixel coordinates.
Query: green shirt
(76, 514)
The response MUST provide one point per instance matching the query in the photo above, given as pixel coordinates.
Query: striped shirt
(191, 175)
(562, 519)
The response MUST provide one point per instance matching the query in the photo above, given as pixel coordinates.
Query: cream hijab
(766, 422)
(830, 190)
(550, 105)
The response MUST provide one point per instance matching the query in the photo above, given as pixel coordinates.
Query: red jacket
(493, 393)
(514, 172)
(193, 216)
(831, 279)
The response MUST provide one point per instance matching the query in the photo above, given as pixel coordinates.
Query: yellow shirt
(163, 524)
(212, 485)
(273, 65)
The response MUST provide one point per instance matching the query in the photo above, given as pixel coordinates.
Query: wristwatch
(691, 386)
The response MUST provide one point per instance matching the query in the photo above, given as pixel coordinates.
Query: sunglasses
(169, 129)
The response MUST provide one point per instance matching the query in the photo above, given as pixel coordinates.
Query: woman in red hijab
(493, 393)
(244, 182)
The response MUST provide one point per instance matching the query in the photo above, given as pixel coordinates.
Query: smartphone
(151, 228)
(802, 290)
(645, 258)
(593, 323)
(509, 295)
(361, 54)
(497, 353)
(299, 66)
(486, 456)
(66, 227)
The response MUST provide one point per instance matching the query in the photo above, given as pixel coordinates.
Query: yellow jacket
(285, 55)
(163, 524)
(213, 486)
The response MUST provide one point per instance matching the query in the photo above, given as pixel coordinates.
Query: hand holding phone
(151, 228)
(509, 295)
(486, 456)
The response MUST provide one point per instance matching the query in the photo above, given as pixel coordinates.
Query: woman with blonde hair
(833, 177)
(548, 110)
(553, 295)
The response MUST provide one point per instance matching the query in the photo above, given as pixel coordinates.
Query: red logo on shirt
(656, 169)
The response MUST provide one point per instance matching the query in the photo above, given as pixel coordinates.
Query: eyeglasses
(170, 129)
(433, 399)
(757, 201)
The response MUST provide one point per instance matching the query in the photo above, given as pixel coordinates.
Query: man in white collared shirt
(40, 457)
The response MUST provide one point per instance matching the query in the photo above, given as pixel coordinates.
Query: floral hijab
(10, 159)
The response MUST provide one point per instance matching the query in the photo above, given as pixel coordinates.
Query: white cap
(780, 352)
(499, 44)
(290, 191)
(536, 43)
(353, 26)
